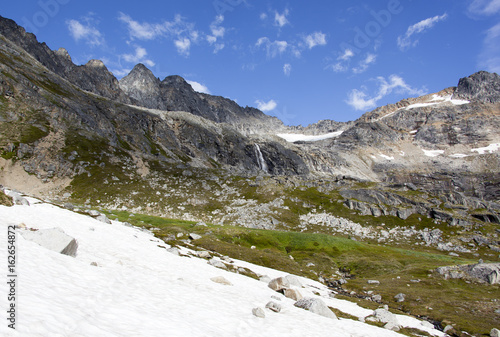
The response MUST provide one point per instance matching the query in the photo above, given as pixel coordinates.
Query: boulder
(93, 213)
(400, 297)
(103, 218)
(279, 284)
(221, 280)
(217, 263)
(54, 239)
(495, 332)
(387, 317)
(480, 272)
(259, 312)
(293, 280)
(294, 294)
(204, 254)
(273, 306)
(174, 251)
(374, 282)
(194, 236)
(316, 306)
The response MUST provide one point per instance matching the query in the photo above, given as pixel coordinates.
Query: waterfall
(260, 159)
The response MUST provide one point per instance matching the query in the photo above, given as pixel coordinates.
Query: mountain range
(422, 173)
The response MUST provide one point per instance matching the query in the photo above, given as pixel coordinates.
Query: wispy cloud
(273, 48)
(484, 7)
(266, 106)
(343, 63)
(407, 41)
(183, 46)
(199, 87)
(217, 33)
(182, 33)
(85, 30)
(138, 57)
(360, 100)
(280, 19)
(489, 59)
(315, 39)
(287, 69)
(364, 64)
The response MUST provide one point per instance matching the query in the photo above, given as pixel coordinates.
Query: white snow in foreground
(490, 148)
(140, 289)
(295, 137)
(433, 153)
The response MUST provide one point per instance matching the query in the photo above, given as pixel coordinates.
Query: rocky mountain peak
(96, 64)
(177, 82)
(481, 86)
(63, 53)
(141, 85)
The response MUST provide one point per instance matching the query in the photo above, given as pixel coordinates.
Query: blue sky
(300, 61)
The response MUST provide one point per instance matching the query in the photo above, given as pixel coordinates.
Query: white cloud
(87, 32)
(281, 20)
(266, 106)
(484, 7)
(287, 69)
(183, 46)
(263, 16)
(138, 57)
(315, 39)
(338, 67)
(364, 64)
(273, 48)
(348, 54)
(405, 41)
(489, 59)
(142, 31)
(360, 100)
(181, 32)
(199, 87)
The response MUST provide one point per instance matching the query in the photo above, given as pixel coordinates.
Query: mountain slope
(124, 282)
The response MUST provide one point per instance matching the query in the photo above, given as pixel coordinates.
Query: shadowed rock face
(481, 86)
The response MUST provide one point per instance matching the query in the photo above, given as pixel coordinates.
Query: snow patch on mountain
(296, 137)
(490, 148)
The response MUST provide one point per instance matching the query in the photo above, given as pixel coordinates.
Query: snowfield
(296, 137)
(138, 288)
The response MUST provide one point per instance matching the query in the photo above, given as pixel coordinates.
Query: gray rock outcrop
(480, 272)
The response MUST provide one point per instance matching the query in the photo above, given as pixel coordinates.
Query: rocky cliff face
(93, 76)
(481, 86)
(174, 94)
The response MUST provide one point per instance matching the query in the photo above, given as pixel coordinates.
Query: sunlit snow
(433, 153)
(490, 148)
(296, 137)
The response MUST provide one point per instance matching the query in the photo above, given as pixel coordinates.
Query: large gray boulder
(480, 272)
(316, 306)
(54, 239)
(387, 317)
